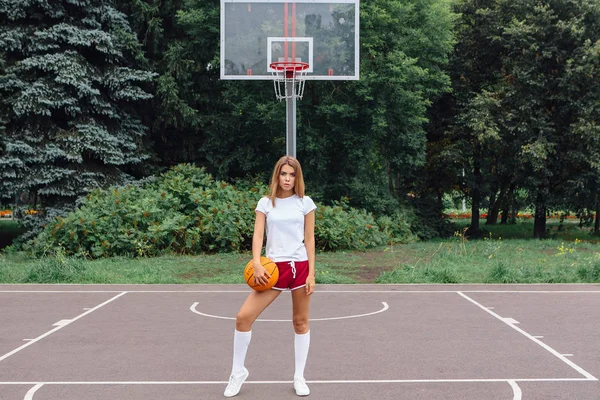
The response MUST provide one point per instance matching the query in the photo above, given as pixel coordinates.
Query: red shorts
(292, 275)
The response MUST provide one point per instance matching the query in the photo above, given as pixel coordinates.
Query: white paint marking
(87, 308)
(538, 337)
(62, 322)
(504, 380)
(568, 355)
(491, 308)
(318, 292)
(385, 307)
(26, 340)
(37, 339)
(516, 390)
(510, 320)
(544, 345)
(31, 392)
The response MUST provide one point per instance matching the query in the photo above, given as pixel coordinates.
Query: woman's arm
(309, 242)
(257, 242)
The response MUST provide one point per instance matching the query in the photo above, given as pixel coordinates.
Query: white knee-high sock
(241, 341)
(301, 345)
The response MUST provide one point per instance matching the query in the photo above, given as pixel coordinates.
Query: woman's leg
(255, 304)
(301, 307)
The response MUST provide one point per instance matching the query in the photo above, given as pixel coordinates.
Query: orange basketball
(271, 269)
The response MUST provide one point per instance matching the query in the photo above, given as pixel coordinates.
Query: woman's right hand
(261, 276)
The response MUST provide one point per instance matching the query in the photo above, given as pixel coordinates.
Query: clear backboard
(323, 34)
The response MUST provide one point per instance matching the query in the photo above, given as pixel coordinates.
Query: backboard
(324, 34)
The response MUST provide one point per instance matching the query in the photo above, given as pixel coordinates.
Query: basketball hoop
(289, 78)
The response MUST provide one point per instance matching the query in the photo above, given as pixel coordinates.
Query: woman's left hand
(310, 285)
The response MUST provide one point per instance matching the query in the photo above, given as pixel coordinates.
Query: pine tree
(68, 92)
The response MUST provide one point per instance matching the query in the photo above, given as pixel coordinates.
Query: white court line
(516, 390)
(359, 381)
(37, 339)
(385, 307)
(31, 392)
(539, 342)
(316, 292)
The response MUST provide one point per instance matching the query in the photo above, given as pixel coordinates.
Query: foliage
(186, 211)
(525, 76)
(353, 136)
(56, 268)
(68, 99)
(342, 227)
(459, 258)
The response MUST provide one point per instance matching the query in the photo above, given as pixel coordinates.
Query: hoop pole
(290, 107)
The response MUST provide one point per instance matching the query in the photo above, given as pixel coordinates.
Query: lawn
(506, 254)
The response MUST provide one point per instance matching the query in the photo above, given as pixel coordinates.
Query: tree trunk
(597, 221)
(493, 203)
(508, 204)
(539, 225)
(474, 227)
(492, 217)
(390, 180)
(505, 211)
(475, 200)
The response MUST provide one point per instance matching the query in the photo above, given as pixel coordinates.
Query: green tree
(533, 96)
(69, 92)
(372, 133)
(364, 140)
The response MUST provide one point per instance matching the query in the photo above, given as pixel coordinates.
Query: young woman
(289, 218)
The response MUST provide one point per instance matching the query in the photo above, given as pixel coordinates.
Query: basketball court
(368, 341)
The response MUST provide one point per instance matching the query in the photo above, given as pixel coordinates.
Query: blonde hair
(299, 182)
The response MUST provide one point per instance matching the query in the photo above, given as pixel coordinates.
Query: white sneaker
(235, 384)
(301, 387)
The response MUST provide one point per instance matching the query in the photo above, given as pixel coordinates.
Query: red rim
(289, 66)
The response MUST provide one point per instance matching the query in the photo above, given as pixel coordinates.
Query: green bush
(396, 227)
(341, 227)
(186, 211)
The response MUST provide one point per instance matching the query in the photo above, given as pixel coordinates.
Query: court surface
(172, 342)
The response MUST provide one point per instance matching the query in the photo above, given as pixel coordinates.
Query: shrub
(186, 211)
(396, 227)
(341, 227)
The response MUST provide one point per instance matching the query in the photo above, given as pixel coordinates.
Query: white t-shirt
(285, 227)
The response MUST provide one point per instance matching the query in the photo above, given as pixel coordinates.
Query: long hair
(298, 183)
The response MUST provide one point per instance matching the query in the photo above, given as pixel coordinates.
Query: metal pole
(290, 106)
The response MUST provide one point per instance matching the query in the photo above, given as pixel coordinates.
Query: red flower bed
(519, 215)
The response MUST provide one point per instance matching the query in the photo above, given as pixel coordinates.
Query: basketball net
(289, 78)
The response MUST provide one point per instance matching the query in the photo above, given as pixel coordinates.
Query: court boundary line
(531, 337)
(333, 381)
(316, 292)
(59, 327)
(512, 381)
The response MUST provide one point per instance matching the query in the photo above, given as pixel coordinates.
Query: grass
(504, 255)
